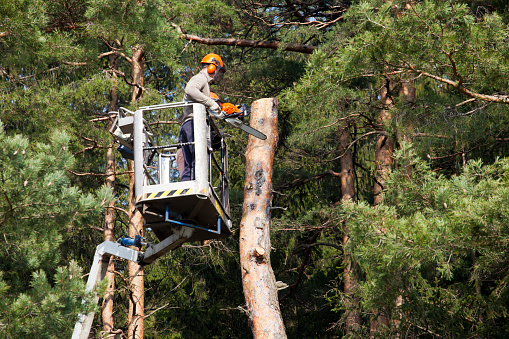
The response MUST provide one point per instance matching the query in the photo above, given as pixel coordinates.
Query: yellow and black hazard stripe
(220, 209)
(165, 194)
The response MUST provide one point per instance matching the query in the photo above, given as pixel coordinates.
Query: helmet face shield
(219, 75)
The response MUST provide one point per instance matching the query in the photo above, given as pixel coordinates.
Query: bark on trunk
(258, 278)
(138, 66)
(407, 91)
(347, 167)
(383, 162)
(136, 296)
(384, 144)
(136, 288)
(109, 217)
(353, 318)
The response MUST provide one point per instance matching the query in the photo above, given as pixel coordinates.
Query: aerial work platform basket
(164, 201)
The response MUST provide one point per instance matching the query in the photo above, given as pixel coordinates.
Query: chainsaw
(235, 111)
(233, 114)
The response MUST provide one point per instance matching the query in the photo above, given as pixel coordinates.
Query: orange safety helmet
(214, 61)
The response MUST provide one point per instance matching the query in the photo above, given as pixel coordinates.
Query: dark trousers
(187, 135)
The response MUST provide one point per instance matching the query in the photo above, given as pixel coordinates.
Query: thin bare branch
(122, 74)
(97, 174)
(293, 47)
(454, 154)
(504, 99)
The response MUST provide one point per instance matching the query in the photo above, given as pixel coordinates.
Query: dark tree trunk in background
(383, 163)
(385, 144)
(353, 318)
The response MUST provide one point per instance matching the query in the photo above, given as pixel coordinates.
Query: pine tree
(41, 289)
(441, 251)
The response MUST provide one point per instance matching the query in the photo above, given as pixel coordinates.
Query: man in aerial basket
(198, 90)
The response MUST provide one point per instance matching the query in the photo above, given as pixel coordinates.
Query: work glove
(215, 107)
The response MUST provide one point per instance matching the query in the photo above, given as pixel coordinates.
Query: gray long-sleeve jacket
(198, 90)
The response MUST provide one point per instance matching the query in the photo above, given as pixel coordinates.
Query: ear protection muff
(211, 68)
(213, 63)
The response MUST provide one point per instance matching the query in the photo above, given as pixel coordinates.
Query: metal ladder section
(102, 256)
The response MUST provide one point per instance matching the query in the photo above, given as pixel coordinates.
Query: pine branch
(164, 123)
(293, 47)
(336, 122)
(314, 23)
(118, 53)
(95, 145)
(314, 13)
(68, 63)
(97, 228)
(103, 118)
(454, 154)
(160, 308)
(306, 246)
(122, 74)
(97, 174)
(20, 79)
(119, 209)
(424, 135)
(504, 99)
(353, 142)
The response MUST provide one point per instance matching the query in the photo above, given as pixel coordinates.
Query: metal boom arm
(102, 256)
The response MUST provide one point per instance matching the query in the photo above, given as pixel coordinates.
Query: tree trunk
(109, 217)
(347, 166)
(136, 294)
(138, 66)
(407, 91)
(258, 279)
(353, 319)
(136, 288)
(383, 162)
(385, 144)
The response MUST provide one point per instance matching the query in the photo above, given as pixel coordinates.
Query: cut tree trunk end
(258, 279)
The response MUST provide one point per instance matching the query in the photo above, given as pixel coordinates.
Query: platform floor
(184, 206)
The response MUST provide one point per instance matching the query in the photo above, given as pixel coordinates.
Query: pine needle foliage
(41, 291)
(439, 243)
